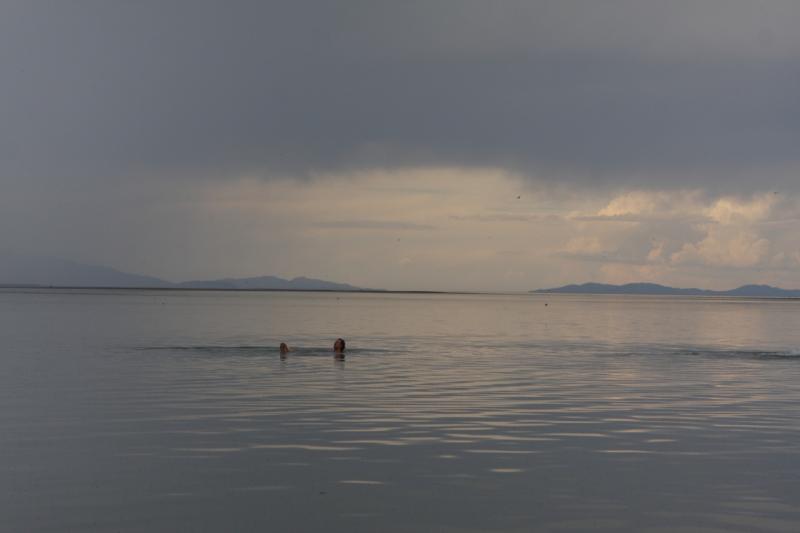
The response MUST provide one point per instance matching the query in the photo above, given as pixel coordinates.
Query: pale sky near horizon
(452, 145)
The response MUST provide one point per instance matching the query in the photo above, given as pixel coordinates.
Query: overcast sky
(504, 145)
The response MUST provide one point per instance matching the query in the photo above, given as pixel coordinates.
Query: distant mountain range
(25, 271)
(754, 291)
(270, 282)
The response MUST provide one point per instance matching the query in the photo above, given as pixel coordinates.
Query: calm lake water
(172, 411)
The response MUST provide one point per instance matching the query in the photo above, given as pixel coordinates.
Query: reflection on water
(166, 411)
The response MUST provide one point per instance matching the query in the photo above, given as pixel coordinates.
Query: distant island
(752, 291)
(18, 271)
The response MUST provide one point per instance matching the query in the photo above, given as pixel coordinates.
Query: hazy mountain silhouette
(30, 270)
(757, 291)
(18, 269)
(270, 282)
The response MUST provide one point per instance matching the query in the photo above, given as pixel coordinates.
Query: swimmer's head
(284, 348)
(339, 345)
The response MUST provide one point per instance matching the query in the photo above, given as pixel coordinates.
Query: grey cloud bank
(437, 145)
(660, 94)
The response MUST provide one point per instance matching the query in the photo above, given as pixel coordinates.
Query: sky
(437, 145)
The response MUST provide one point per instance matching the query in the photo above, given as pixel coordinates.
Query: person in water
(338, 347)
(284, 349)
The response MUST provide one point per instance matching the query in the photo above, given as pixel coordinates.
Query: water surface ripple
(173, 411)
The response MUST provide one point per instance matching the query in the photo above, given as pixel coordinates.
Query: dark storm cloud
(663, 93)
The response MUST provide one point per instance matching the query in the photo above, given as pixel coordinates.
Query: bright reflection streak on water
(164, 411)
